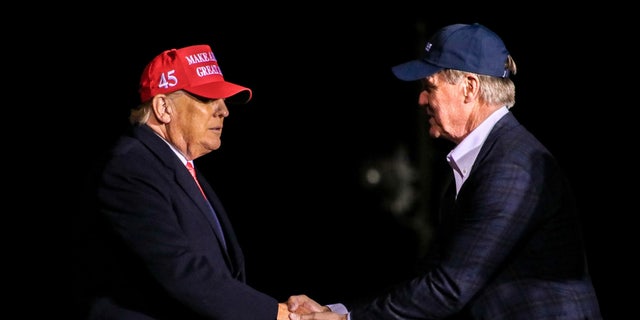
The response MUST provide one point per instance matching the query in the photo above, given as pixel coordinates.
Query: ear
(471, 87)
(162, 108)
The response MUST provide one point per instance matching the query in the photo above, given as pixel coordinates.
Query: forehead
(188, 98)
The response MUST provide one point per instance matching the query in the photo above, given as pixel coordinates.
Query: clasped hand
(301, 307)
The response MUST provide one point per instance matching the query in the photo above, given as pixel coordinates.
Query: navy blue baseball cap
(466, 47)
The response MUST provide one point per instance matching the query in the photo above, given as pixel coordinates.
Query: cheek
(442, 117)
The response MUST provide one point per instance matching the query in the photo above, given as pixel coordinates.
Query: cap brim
(414, 70)
(222, 90)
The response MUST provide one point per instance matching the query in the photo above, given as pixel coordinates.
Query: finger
(293, 316)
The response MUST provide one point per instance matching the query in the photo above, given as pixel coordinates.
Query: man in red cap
(173, 253)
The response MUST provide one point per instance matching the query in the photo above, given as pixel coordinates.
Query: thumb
(294, 316)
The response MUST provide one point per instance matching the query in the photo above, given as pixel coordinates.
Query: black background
(326, 107)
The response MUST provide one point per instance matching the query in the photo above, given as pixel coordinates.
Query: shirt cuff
(338, 308)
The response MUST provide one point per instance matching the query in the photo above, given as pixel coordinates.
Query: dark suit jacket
(165, 260)
(509, 247)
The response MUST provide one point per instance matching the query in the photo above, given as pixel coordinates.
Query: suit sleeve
(493, 213)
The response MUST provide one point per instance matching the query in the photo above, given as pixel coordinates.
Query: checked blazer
(509, 247)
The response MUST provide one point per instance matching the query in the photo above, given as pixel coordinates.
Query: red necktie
(192, 170)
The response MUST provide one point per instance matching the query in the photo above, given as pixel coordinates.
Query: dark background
(327, 109)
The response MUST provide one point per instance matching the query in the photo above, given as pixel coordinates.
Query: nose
(222, 110)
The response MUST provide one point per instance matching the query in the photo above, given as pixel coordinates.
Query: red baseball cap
(193, 69)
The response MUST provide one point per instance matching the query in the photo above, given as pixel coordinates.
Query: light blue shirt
(462, 157)
(340, 309)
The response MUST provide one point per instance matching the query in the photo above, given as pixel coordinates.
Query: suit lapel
(185, 181)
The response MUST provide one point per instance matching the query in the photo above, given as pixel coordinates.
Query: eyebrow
(428, 86)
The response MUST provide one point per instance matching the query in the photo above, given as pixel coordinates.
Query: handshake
(301, 307)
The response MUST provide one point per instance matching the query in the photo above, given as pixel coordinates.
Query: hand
(298, 304)
(305, 308)
(283, 311)
(327, 315)
(302, 304)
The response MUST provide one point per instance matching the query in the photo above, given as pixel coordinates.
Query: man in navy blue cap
(508, 243)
